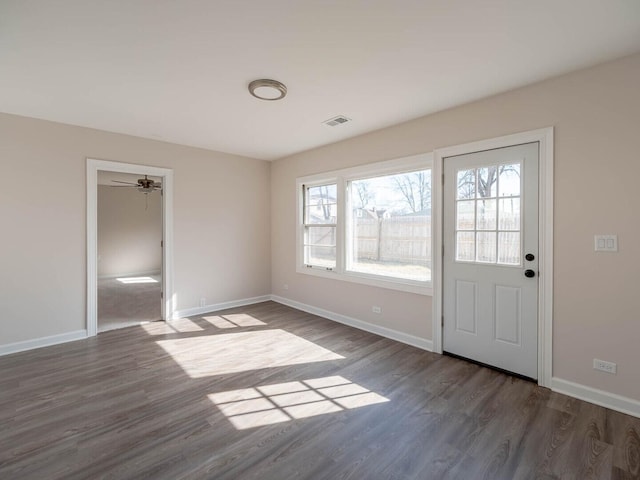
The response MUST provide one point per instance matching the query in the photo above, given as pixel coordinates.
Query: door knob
(529, 257)
(529, 273)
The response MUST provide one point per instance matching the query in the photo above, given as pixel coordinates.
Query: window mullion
(340, 225)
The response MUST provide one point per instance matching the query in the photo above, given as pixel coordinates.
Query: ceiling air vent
(335, 121)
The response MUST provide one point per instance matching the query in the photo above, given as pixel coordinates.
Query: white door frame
(93, 166)
(545, 220)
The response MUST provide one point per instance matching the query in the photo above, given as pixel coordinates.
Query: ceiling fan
(144, 185)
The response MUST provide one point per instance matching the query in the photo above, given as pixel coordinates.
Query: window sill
(407, 286)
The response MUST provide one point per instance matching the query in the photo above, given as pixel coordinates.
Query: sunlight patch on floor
(184, 325)
(208, 355)
(158, 328)
(234, 321)
(282, 402)
(128, 280)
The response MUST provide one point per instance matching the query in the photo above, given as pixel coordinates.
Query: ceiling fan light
(266, 89)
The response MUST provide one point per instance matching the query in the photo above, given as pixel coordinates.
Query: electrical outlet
(608, 367)
(203, 302)
(376, 309)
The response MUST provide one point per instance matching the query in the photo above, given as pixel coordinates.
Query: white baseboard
(402, 337)
(597, 397)
(42, 342)
(189, 312)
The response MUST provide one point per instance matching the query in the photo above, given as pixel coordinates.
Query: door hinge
(161, 294)
(443, 249)
(442, 321)
(161, 243)
(443, 179)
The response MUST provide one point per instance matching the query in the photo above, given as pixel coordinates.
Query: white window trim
(341, 178)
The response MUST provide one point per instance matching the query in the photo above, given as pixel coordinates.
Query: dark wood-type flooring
(269, 392)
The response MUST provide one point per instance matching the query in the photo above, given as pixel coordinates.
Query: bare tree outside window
(415, 188)
(326, 202)
(487, 178)
(362, 192)
(488, 217)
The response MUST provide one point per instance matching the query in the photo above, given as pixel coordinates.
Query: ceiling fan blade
(128, 183)
(122, 186)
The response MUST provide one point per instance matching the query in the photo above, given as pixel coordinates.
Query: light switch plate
(605, 243)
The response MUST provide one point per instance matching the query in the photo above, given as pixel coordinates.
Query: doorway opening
(490, 262)
(129, 245)
(129, 250)
(468, 250)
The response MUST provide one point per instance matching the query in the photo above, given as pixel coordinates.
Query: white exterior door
(490, 262)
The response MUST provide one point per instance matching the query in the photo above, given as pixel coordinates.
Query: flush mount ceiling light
(266, 89)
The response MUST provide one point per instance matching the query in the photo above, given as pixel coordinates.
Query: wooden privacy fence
(396, 239)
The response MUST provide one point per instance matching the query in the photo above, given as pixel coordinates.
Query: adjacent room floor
(129, 300)
(269, 392)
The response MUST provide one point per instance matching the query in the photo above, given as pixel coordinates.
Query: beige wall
(224, 234)
(596, 115)
(221, 223)
(129, 231)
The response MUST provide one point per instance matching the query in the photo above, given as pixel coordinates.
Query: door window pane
(509, 214)
(509, 181)
(466, 215)
(486, 247)
(465, 246)
(466, 184)
(487, 178)
(488, 226)
(486, 215)
(509, 248)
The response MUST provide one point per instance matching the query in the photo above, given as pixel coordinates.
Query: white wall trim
(598, 397)
(189, 312)
(545, 280)
(93, 166)
(396, 335)
(42, 342)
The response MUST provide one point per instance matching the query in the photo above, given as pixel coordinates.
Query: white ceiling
(178, 70)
